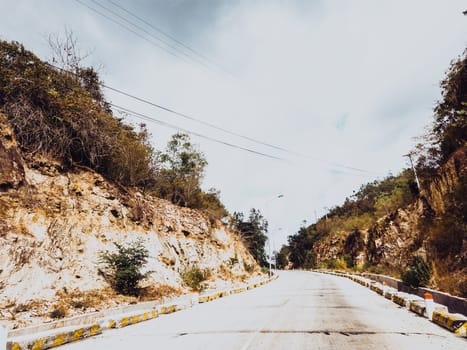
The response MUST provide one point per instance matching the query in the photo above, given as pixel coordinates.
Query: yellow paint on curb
(15, 346)
(59, 339)
(135, 319)
(125, 321)
(154, 313)
(112, 324)
(77, 334)
(38, 345)
(94, 329)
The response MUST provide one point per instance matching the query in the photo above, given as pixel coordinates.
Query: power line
(132, 31)
(195, 119)
(163, 33)
(150, 34)
(186, 116)
(160, 122)
(183, 115)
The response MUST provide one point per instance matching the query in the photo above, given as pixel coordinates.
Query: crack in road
(319, 331)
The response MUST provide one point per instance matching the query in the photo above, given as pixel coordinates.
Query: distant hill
(394, 227)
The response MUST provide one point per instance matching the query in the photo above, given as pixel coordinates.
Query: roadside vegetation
(442, 233)
(122, 269)
(194, 278)
(253, 231)
(59, 113)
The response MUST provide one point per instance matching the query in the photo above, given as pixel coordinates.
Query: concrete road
(300, 310)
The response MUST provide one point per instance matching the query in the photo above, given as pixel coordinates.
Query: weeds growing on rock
(194, 277)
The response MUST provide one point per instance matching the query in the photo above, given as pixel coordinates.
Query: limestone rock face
(54, 224)
(396, 237)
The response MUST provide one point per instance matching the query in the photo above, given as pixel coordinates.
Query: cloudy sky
(337, 85)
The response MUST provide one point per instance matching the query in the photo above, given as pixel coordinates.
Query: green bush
(417, 273)
(122, 269)
(194, 277)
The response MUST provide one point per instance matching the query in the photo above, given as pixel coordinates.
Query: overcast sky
(340, 84)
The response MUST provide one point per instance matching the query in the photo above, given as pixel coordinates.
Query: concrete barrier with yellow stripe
(204, 298)
(48, 338)
(456, 323)
(53, 339)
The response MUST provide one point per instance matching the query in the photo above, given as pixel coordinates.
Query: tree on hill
(181, 169)
(253, 232)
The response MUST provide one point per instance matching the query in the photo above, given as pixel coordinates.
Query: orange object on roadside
(428, 296)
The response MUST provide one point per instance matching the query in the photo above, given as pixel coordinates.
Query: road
(300, 310)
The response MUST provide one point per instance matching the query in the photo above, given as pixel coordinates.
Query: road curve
(300, 310)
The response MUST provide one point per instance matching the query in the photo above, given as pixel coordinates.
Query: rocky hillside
(410, 227)
(388, 245)
(54, 222)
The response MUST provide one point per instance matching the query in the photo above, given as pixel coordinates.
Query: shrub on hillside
(63, 115)
(417, 273)
(122, 269)
(194, 277)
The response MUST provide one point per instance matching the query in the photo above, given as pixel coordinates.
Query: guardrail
(57, 333)
(425, 307)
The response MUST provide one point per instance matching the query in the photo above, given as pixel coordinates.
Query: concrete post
(429, 305)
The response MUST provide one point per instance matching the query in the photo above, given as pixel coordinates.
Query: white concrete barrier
(3, 335)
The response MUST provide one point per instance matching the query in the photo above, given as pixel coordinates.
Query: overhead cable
(157, 29)
(160, 122)
(188, 117)
(134, 32)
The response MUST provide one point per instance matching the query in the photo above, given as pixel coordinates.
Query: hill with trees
(392, 226)
(59, 113)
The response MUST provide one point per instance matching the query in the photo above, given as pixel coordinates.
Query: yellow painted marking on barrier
(59, 339)
(462, 330)
(154, 313)
(135, 319)
(145, 316)
(38, 345)
(94, 329)
(172, 308)
(163, 310)
(15, 346)
(125, 322)
(112, 324)
(77, 334)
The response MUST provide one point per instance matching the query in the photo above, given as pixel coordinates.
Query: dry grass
(452, 282)
(75, 302)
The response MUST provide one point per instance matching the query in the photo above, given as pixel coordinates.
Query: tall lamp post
(269, 238)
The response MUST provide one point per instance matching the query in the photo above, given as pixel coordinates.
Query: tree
(122, 269)
(450, 125)
(181, 169)
(282, 257)
(300, 247)
(253, 232)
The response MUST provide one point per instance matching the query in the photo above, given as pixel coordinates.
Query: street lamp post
(269, 238)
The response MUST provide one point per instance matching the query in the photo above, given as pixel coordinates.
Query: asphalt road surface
(300, 310)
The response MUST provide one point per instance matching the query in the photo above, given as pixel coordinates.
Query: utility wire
(195, 119)
(160, 122)
(185, 116)
(131, 23)
(133, 31)
(234, 133)
(142, 20)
